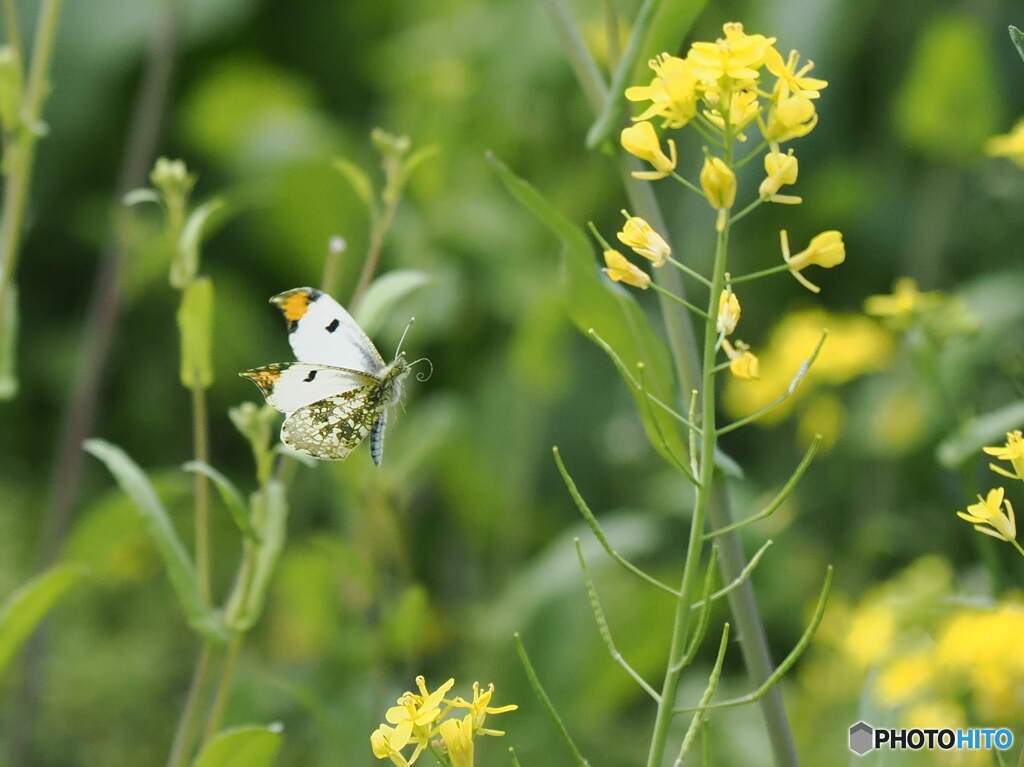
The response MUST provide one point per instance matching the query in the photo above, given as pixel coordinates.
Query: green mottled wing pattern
(331, 428)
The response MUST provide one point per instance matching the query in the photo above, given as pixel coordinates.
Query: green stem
(188, 723)
(223, 693)
(760, 274)
(750, 155)
(693, 552)
(682, 301)
(688, 184)
(20, 153)
(692, 272)
(746, 210)
(1018, 547)
(200, 437)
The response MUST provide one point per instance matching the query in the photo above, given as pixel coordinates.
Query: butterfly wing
(331, 428)
(321, 332)
(289, 386)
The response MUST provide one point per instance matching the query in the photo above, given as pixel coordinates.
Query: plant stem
(20, 153)
(694, 546)
(378, 231)
(201, 440)
(185, 735)
(223, 693)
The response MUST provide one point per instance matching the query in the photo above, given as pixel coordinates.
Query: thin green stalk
(750, 155)
(188, 723)
(681, 301)
(688, 184)
(746, 210)
(223, 693)
(760, 274)
(200, 437)
(20, 153)
(691, 272)
(11, 28)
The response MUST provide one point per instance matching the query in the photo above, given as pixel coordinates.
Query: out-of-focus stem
(223, 694)
(201, 450)
(188, 724)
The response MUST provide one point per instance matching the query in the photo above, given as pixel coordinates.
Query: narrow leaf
(23, 609)
(593, 302)
(141, 195)
(357, 178)
(269, 518)
(229, 494)
(136, 485)
(982, 430)
(185, 265)
(248, 746)
(384, 294)
(9, 343)
(195, 326)
(1018, 39)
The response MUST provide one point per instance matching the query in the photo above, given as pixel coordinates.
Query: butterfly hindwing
(288, 386)
(321, 332)
(331, 428)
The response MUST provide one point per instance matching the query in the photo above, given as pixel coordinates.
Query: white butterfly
(340, 388)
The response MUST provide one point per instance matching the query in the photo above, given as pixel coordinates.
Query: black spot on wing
(310, 377)
(333, 326)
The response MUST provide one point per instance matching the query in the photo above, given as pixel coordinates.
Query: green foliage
(384, 295)
(1017, 37)
(948, 104)
(976, 432)
(9, 344)
(229, 494)
(256, 424)
(195, 324)
(180, 570)
(249, 746)
(26, 607)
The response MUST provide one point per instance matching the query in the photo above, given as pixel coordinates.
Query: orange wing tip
(265, 378)
(295, 303)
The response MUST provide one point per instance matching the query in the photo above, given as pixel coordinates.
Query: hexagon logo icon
(862, 738)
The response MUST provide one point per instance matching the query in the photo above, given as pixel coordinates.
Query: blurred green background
(428, 564)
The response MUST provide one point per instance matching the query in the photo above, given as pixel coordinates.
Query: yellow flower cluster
(720, 85)
(1009, 145)
(856, 346)
(422, 720)
(993, 515)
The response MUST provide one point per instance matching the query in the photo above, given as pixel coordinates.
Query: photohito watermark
(864, 738)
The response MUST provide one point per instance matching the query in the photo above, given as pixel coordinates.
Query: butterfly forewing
(331, 428)
(320, 331)
(291, 385)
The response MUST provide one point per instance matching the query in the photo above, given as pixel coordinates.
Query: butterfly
(340, 388)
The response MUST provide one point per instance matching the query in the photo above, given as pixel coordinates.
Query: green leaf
(229, 494)
(417, 158)
(592, 302)
(256, 423)
(195, 325)
(141, 195)
(9, 344)
(248, 746)
(185, 265)
(384, 294)
(358, 179)
(949, 103)
(269, 517)
(136, 485)
(1018, 39)
(979, 431)
(23, 609)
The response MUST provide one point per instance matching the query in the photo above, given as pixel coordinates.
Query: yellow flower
(672, 92)
(791, 116)
(641, 141)
(1012, 451)
(480, 707)
(719, 184)
(870, 634)
(781, 170)
(825, 250)
(1009, 145)
(906, 677)
(988, 517)
(641, 237)
(621, 269)
(388, 742)
(795, 80)
(415, 713)
(457, 735)
(743, 363)
(738, 56)
(743, 108)
(728, 312)
(903, 304)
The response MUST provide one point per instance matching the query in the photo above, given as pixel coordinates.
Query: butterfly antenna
(424, 375)
(402, 339)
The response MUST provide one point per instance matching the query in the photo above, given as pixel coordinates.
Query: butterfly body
(339, 390)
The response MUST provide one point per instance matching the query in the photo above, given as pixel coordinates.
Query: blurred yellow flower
(903, 303)
(1009, 145)
(480, 707)
(870, 634)
(781, 170)
(457, 735)
(644, 240)
(906, 677)
(737, 57)
(621, 269)
(825, 250)
(823, 415)
(793, 79)
(641, 141)
(790, 117)
(1012, 451)
(988, 517)
(898, 420)
(672, 92)
(728, 312)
